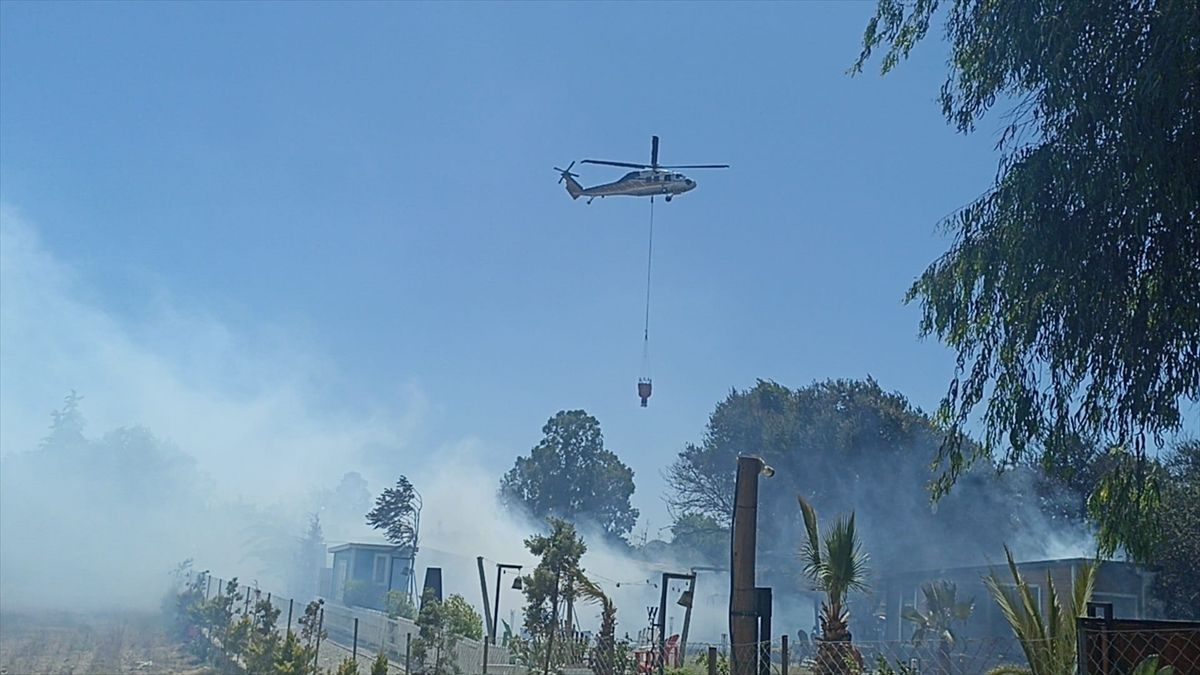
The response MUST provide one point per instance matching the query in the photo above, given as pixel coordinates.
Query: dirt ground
(92, 643)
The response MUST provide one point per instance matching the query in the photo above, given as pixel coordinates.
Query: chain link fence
(1118, 646)
(1104, 647)
(360, 634)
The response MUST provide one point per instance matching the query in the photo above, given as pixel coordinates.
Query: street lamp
(667, 577)
(500, 568)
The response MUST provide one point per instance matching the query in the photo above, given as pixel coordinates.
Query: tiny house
(1123, 585)
(363, 574)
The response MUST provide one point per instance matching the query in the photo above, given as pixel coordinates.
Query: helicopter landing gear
(669, 197)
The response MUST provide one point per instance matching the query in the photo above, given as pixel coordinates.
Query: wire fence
(360, 634)
(1103, 647)
(1116, 646)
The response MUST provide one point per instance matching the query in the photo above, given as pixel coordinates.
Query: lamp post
(662, 615)
(500, 567)
(495, 618)
(743, 609)
(691, 597)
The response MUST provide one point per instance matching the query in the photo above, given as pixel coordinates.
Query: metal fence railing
(1103, 647)
(1118, 646)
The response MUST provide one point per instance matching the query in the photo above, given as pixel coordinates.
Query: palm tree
(606, 641)
(942, 610)
(1048, 640)
(836, 563)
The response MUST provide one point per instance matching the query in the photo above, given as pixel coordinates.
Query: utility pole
(743, 614)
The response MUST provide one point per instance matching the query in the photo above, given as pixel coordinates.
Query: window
(1125, 605)
(379, 576)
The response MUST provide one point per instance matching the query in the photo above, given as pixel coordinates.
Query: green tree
(1047, 639)
(309, 560)
(380, 665)
(936, 622)
(264, 640)
(461, 618)
(434, 647)
(605, 657)
(848, 444)
(699, 536)
(570, 475)
(1071, 293)
(549, 591)
(400, 606)
(1177, 553)
(396, 512)
(66, 427)
(836, 564)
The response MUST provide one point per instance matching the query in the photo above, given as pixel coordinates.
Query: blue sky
(370, 186)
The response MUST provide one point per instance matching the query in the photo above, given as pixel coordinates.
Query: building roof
(379, 548)
(1023, 565)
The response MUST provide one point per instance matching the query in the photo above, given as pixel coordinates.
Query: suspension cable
(649, 260)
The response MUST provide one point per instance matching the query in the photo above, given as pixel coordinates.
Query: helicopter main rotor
(654, 165)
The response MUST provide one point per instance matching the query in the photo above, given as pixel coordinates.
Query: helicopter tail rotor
(563, 174)
(573, 187)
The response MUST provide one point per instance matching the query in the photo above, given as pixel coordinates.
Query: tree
(1072, 291)
(396, 513)
(66, 427)
(1048, 640)
(570, 475)
(434, 646)
(606, 641)
(310, 559)
(550, 587)
(398, 604)
(850, 444)
(836, 564)
(699, 536)
(1177, 554)
(936, 622)
(461, 618)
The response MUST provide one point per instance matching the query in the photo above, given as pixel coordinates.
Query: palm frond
(1048, 640)
(811, 551)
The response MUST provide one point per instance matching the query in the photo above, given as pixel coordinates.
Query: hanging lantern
(644, 390)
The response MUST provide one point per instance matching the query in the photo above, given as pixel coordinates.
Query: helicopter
(650, 180)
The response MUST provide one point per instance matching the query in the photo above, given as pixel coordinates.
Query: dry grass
(92, 643)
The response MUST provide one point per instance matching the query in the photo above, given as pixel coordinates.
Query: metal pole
(553, 620)
(743, 623)
(783, 655)
(687, 617)
(208, 587)
(662, 626)
(712, 660)
(354, 653)
(320, 625)
(763, 598)
(496, 605)
(488, 628)
(290, 603)
(407, 653)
